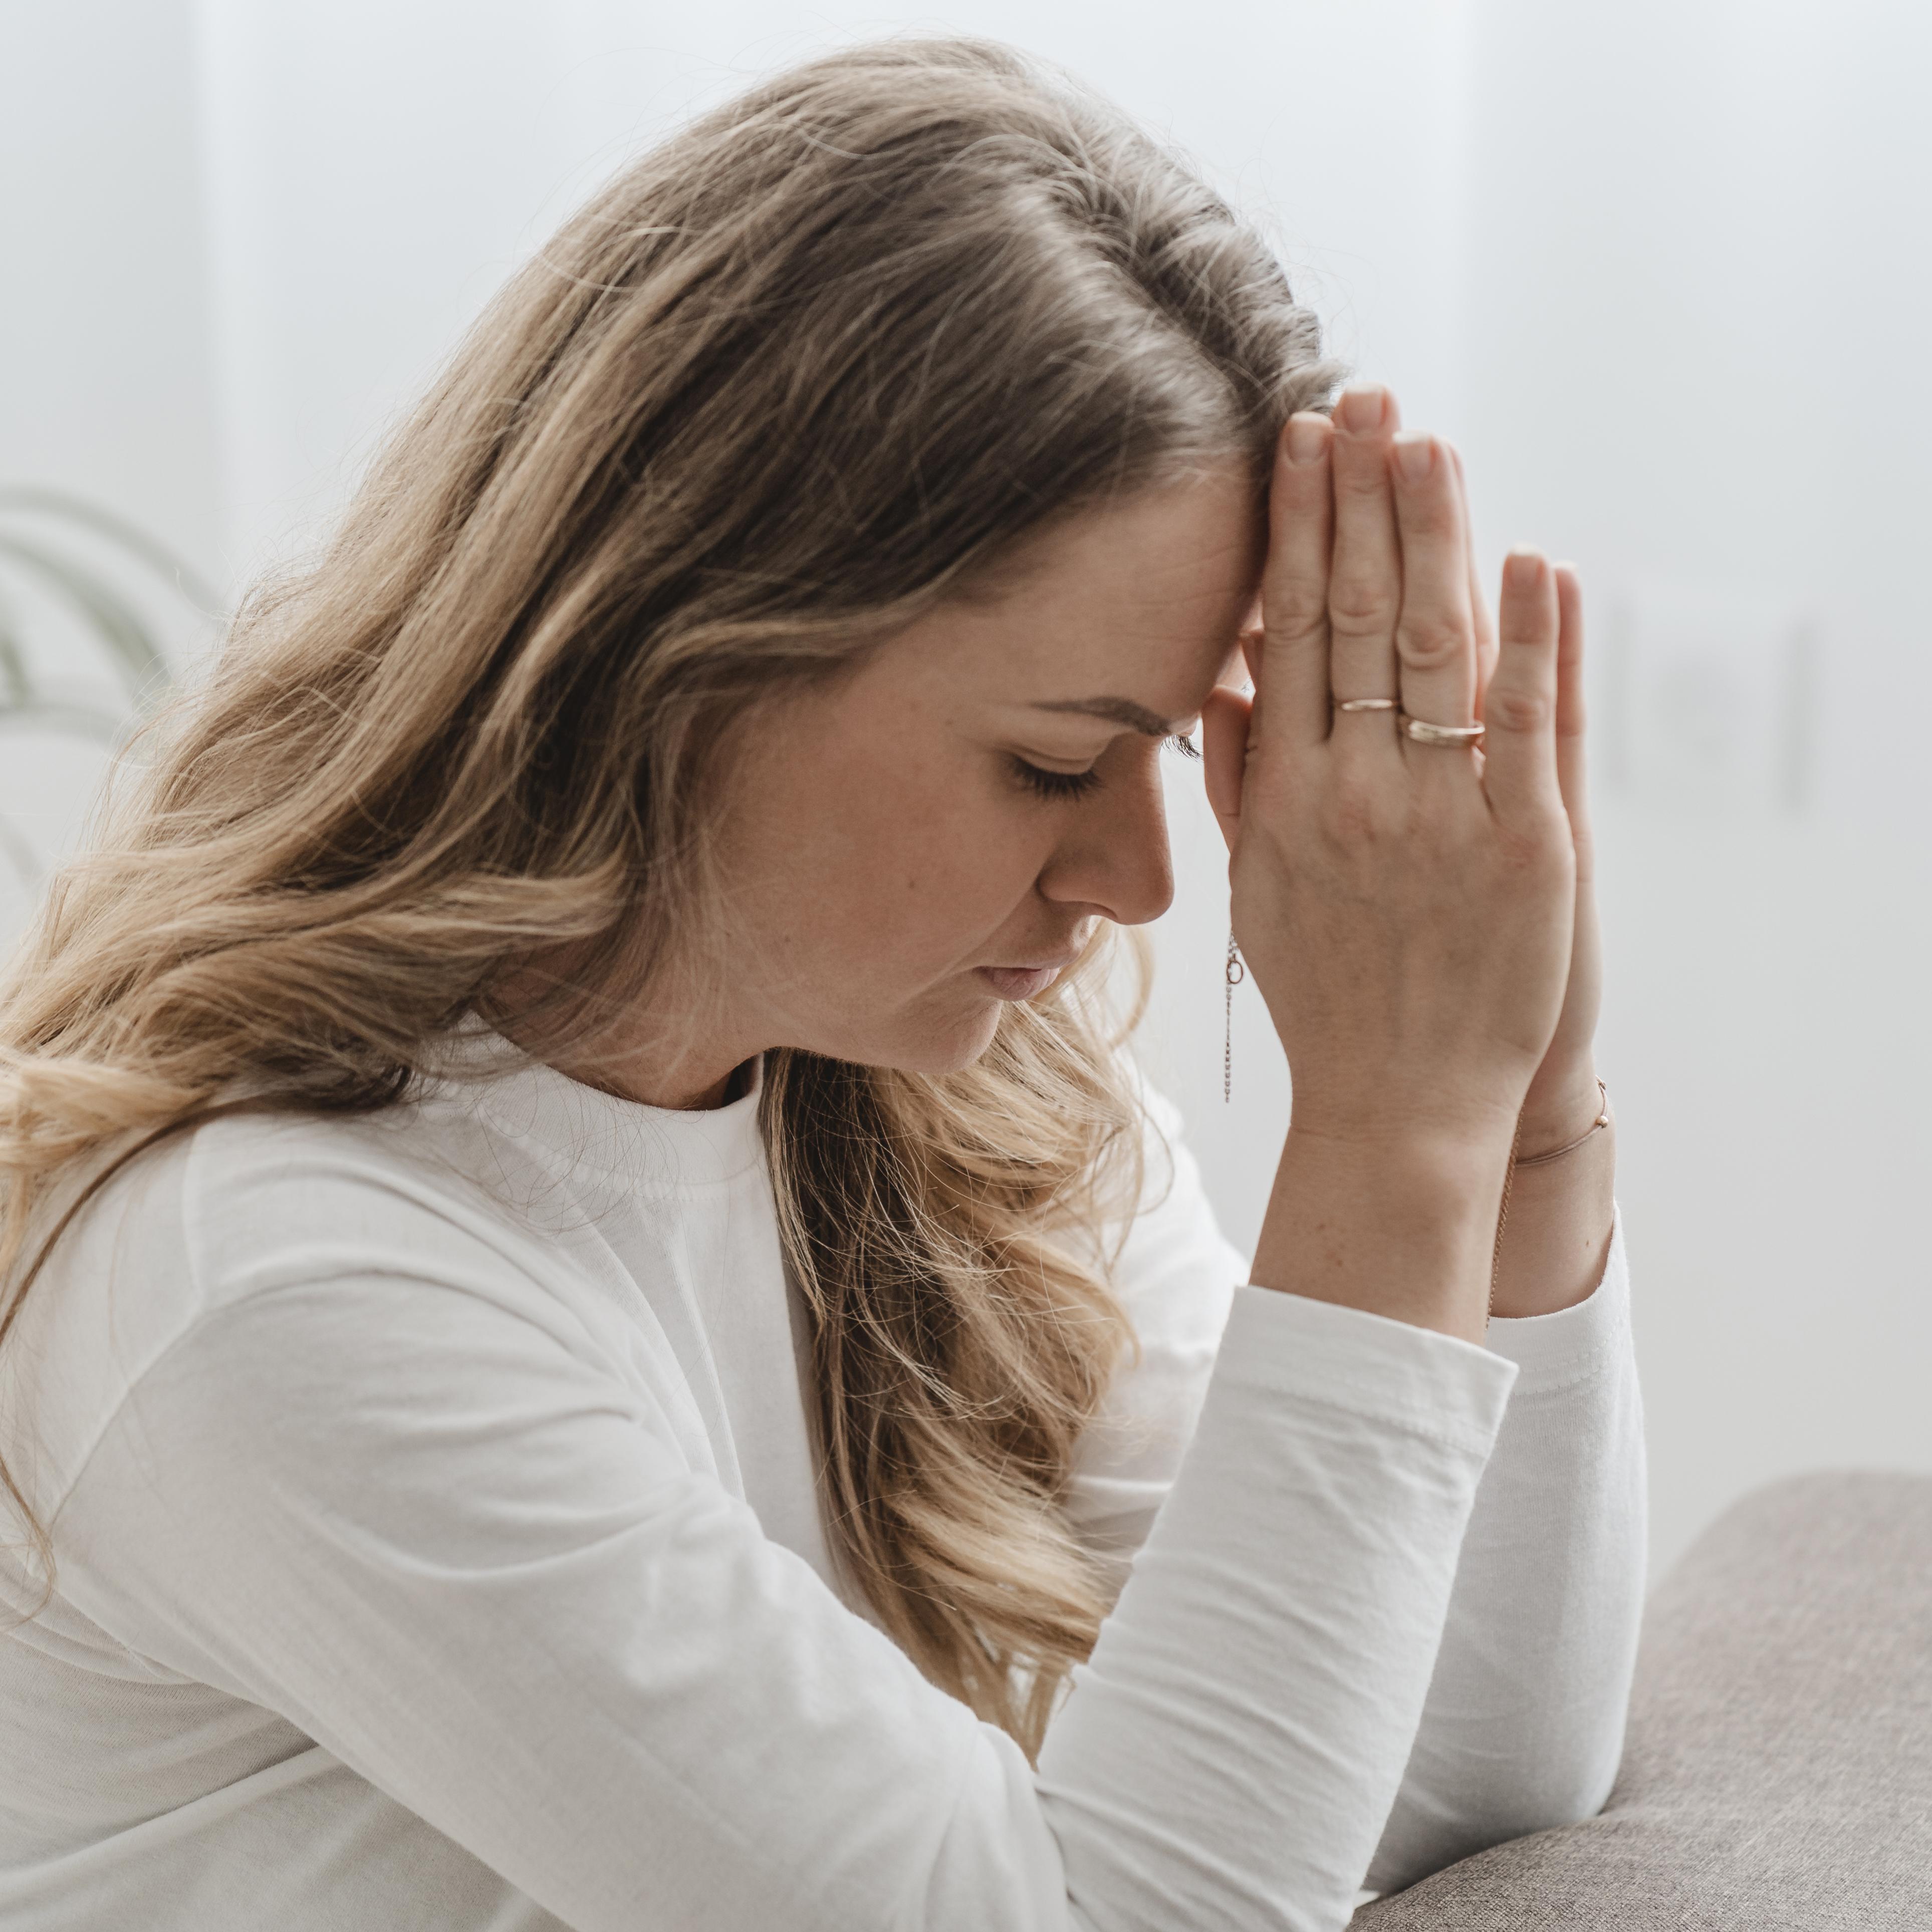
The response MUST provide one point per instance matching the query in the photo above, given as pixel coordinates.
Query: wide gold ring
(1424, 733)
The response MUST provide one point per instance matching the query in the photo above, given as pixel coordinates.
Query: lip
(1022, 982)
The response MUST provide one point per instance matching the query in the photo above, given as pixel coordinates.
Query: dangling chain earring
(1235, 972)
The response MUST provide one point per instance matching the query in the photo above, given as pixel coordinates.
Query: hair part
(818, 362)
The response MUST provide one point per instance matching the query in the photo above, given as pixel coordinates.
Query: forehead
(1133, 596)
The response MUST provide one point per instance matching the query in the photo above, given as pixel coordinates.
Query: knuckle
(1365, 479)
(1430, 512)
(1548, 844)
(1351, 810)
(1427, 643)
(1294, 611)
(1513, 710)
(1535, 857)
(1359, 604)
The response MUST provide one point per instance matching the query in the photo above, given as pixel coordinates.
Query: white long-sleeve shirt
(438, 1547)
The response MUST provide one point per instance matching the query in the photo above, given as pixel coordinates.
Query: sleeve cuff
(1574, 1343)
(1321, 1354)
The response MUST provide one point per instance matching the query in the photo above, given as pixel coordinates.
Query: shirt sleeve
(375, 1489)
(1523, 1725)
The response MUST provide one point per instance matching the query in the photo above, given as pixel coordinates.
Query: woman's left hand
(1558, 1238)
(1563, 1098)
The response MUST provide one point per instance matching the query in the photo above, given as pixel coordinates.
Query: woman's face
(906, 849)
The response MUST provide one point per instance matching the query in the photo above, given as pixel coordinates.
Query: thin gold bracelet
(1516, 1161)
(1596, 1126)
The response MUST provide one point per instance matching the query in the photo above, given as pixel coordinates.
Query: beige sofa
(1778, 1776)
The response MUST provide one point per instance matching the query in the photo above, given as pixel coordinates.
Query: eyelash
(1060, 785)
(1055, 785)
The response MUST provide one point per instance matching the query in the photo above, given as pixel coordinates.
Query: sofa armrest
(1778, 1769)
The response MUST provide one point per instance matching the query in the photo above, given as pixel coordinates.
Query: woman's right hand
(1405, 909)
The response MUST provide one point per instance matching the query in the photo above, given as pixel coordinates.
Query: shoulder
(244, 1203)
(263, 1201)
(287, 1211)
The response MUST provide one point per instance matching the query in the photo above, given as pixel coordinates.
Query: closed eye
(1055, 785)
(1049, 783)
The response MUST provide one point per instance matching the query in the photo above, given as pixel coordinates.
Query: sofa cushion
(1778, 1770)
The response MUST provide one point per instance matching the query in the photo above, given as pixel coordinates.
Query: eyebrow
(1116, 711)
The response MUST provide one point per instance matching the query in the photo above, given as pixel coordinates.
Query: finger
(1479, 605)
(1365, 579)
(1519, 768)
(1572, 769)
(1224, 753)
(1293, 659)
(1434, 634)
(1251, 657)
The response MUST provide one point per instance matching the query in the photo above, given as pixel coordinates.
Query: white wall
(105, 387)
(1655, 265)
(375, 169)
(104, 378)
(1697, 282)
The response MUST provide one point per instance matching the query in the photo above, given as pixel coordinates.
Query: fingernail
(1362, 408)
(1522, 567)
(1415, 455)
(1307, 437)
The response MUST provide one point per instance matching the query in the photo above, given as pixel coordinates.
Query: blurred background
(1659, 266)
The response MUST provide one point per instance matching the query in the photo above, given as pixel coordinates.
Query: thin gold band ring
(1424, 733)
(1417, 729)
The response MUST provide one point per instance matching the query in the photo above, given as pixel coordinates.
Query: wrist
(1430, 1162)
(1556, 1113)
(1421, 1131)
(1400, 1226)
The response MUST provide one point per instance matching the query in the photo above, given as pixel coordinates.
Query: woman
(597, 1333)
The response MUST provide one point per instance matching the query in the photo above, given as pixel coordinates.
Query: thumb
(1224, 752)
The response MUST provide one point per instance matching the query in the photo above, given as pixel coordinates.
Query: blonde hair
(799, 373)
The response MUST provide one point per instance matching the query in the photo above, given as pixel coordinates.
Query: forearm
(1524, 1722)
(1229, 1754)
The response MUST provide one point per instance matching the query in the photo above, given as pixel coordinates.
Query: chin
(935, 1044)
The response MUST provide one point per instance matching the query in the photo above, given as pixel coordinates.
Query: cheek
(889, 861)
(937, 857)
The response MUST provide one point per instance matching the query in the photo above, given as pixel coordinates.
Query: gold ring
(1367, 704)
(1424, 733)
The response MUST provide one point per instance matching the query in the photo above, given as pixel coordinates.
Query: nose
(1115, 858)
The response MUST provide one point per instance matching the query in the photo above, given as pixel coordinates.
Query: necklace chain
(1235, 972)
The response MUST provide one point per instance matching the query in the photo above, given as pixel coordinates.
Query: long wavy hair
(808, 367)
